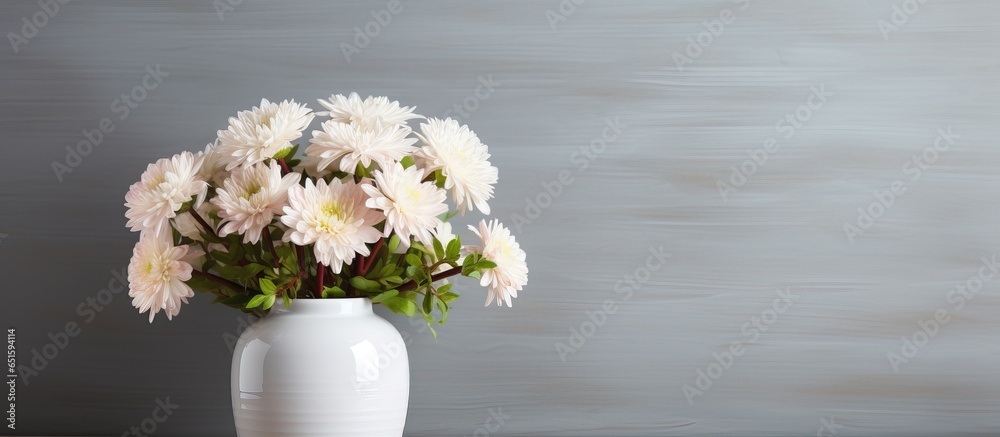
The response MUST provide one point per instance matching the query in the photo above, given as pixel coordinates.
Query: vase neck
(327, 307)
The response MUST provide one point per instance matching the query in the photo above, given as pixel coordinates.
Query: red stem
(301, 256)
(365, 265)
(202, 222)
(270, 245)
(320, 270)
(434, 278)
(219, 280)
(284, 165)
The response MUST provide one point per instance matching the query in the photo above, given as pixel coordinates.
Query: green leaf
(267, 287)
(219, 255)
(428, 301)
(256, 301)
(439, 179)
(474, 263)
(201, 284)
(337, 174)
(443, 307)
(268, 302)
(410, 295)
(468, 263)
(438, 249)
(288, 262)
(394, 242)
(360, 171)
(334, 292)
(377, 270)
(282, 153)
(400, 305)
(385, 295)
(422, 248)
(485, 264)
(286, 152)
(364, 284)
(444, 288)
(391, 281)
(448, 297)
(386, 270)
(414, 260)
(235, 247)
(228, 271)
(248, 271)
(287, 299)
(407, 161)
(421, 274)
(454, 249)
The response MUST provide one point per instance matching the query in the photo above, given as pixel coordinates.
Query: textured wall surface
(737, 137)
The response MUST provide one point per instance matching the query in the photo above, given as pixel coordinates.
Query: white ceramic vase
(324, 367)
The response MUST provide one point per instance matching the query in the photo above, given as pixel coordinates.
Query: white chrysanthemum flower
(333, 217)
(511, 272)
(211, 168)
(250, 199)
(350, 143)
(411, 206)
(462, 159)
(164, 187)
(156, 275)
(260, 133)
(188, 226)
(367, 113)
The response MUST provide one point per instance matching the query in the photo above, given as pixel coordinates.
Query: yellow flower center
(331, 218)
(252, 190)
(331, 210)
(503, 250)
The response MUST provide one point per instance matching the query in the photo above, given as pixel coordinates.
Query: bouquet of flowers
(362, 214)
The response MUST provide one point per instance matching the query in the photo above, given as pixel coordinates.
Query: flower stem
(218, 280)
(320, 270)
(284, 165)
(270, 245)
(356, 264)
(203, 223)
(301, 256)
(434, 278)
(365, 265)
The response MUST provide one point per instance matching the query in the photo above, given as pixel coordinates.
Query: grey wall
(822, 361)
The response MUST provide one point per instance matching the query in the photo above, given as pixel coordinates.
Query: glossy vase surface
(323, 367)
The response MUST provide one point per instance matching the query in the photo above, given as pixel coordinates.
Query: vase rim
(327, 306)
